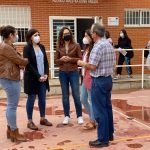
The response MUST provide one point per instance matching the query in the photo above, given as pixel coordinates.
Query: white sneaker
(129, 76)
(117, 77)
(66, 120)
(80, 120)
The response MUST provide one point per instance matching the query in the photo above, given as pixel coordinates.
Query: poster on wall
(76, 1)
(113, 21)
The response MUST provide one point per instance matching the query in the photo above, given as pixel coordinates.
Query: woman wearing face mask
(67, 54)
(36, 77)
(86, 84)
(10, 64)
(124, 42)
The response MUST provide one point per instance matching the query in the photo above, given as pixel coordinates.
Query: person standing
(109, 39)
(146, 52)
(10, 64)
(87, 81)
(147, 55)
(67, 54)
(124, 42)
(36, 77)
(107, 35)
(101, 64)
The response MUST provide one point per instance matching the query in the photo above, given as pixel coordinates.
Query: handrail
(135, 65)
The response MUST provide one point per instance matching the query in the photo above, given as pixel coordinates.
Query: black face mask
(67, 37)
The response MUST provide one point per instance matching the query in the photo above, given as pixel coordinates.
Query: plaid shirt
(102, 56)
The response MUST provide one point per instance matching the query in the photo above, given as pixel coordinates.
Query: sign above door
(76, 1)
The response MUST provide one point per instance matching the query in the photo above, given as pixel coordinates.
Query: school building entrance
(77, 25)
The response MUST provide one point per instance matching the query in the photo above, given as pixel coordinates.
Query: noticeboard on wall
(113, 21)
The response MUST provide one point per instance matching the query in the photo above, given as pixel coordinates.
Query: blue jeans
(129, 69)
(86, 101)
(71, 78)
(102, 107)
(12, 89)
(121, 61)
(41, 101)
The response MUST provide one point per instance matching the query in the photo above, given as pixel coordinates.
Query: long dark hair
(90, 46)
(29, 35)
(107, 34)
(60, 40)
(125, 34)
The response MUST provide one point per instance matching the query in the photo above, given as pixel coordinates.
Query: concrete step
(131, 83)
(122, 83)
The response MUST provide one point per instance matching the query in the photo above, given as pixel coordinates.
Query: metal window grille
(137, 17)
(57, 24)
(17, 16)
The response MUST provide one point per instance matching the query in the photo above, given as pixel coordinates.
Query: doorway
(82, 25)
(77, 25)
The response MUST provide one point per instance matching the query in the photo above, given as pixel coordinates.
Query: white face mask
(121, 35)
(85, 41)
(36, 39)
(17, 38)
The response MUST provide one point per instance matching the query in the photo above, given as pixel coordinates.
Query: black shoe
(32, 126)
(111, 138)
(98, 144)
(45, 122)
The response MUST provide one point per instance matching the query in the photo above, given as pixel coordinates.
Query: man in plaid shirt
(101, 63)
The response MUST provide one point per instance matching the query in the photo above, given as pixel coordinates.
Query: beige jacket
(10, 61)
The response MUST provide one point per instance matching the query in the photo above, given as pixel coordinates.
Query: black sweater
(31, 74)
(125, 43)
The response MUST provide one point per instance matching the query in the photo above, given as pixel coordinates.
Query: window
(17, 16)
(56, 25)
(137, 18)
(77, 25)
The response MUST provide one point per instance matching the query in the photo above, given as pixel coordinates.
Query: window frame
(22, 24)
(51, 18)
(140, 25)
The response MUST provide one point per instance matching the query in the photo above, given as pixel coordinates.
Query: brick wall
(42, 9)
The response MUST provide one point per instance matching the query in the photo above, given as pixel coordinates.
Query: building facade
(48, 16)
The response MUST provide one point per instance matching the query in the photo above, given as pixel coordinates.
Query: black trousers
(121, 60)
